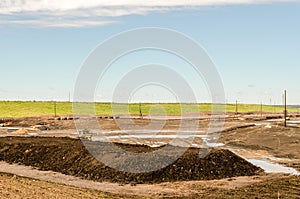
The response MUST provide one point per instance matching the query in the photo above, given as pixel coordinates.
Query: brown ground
(269, 186)
(268, 140)
(69, 156)
(278, 141)
(12, 186)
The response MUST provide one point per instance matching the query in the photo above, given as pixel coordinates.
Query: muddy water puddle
(270, 167)
(266, 161)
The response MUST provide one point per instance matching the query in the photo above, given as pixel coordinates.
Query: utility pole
(261, 109)
(140, 108)
(236, 107)
(285, 108)
(54, 108)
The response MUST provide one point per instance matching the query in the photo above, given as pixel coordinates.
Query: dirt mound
(70, 157)
(21, 132)
(41, 127)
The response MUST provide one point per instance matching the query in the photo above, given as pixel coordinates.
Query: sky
(253, 44)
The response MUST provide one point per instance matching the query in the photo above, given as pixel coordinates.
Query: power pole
(236, 107)
(261, 109)
(285, 108)
(54, 108)
(140, 108)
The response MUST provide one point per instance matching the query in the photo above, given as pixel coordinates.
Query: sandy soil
(153, 190)
(258, 139)
(14, 186)
(57, 185)
(266, 141)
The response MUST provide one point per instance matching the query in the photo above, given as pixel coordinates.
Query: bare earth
(57, 185)
(264, 140)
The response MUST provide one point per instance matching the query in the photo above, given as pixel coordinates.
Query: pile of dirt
(69, 156)
(21, 132)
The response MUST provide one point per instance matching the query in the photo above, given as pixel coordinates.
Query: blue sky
(255, 46)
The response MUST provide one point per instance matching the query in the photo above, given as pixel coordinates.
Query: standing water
(270, 167)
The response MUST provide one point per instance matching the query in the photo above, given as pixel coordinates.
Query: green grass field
(23, 109)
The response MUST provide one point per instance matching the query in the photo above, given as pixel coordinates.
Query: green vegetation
(244, 108)
(22, 109)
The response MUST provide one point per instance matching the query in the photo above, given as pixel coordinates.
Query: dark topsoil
(69, 156)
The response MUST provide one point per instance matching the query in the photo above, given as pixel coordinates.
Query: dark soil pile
(69, 156)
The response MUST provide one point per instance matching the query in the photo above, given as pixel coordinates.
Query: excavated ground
(69, 156)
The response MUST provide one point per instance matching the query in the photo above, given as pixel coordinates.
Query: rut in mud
(69, 156)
